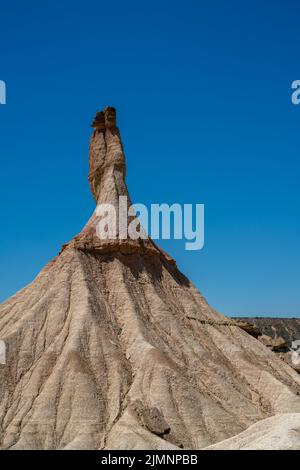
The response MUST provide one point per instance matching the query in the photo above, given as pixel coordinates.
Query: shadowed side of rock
(278, 334)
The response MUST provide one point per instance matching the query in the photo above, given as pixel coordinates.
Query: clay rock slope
(282, 335)
(280, 432)
(111, 347)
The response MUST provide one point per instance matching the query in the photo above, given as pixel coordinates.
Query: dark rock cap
(106, 119)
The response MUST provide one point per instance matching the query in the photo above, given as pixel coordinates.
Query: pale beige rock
(281, 432)
(112, 347)
(275, 344)
(281, 334)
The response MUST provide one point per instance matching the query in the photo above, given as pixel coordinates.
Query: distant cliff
(278, 334)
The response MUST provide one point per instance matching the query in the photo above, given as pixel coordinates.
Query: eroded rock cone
(112, 347)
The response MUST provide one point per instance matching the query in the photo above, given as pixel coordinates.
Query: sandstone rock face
(281, 432)
(275, 344)
(278, 334)
(111, 347)
(287, 328)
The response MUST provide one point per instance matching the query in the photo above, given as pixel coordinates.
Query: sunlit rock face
(111, 347)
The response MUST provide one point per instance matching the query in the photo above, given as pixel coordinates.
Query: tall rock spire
(106, 159)
(107, 173)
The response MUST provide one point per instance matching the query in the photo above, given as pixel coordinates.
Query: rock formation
(111, 347)
(278, 334)
(281, 432)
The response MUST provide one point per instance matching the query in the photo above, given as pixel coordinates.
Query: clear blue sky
(203, 97)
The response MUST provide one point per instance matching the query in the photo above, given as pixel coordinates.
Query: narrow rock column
(107, 160)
